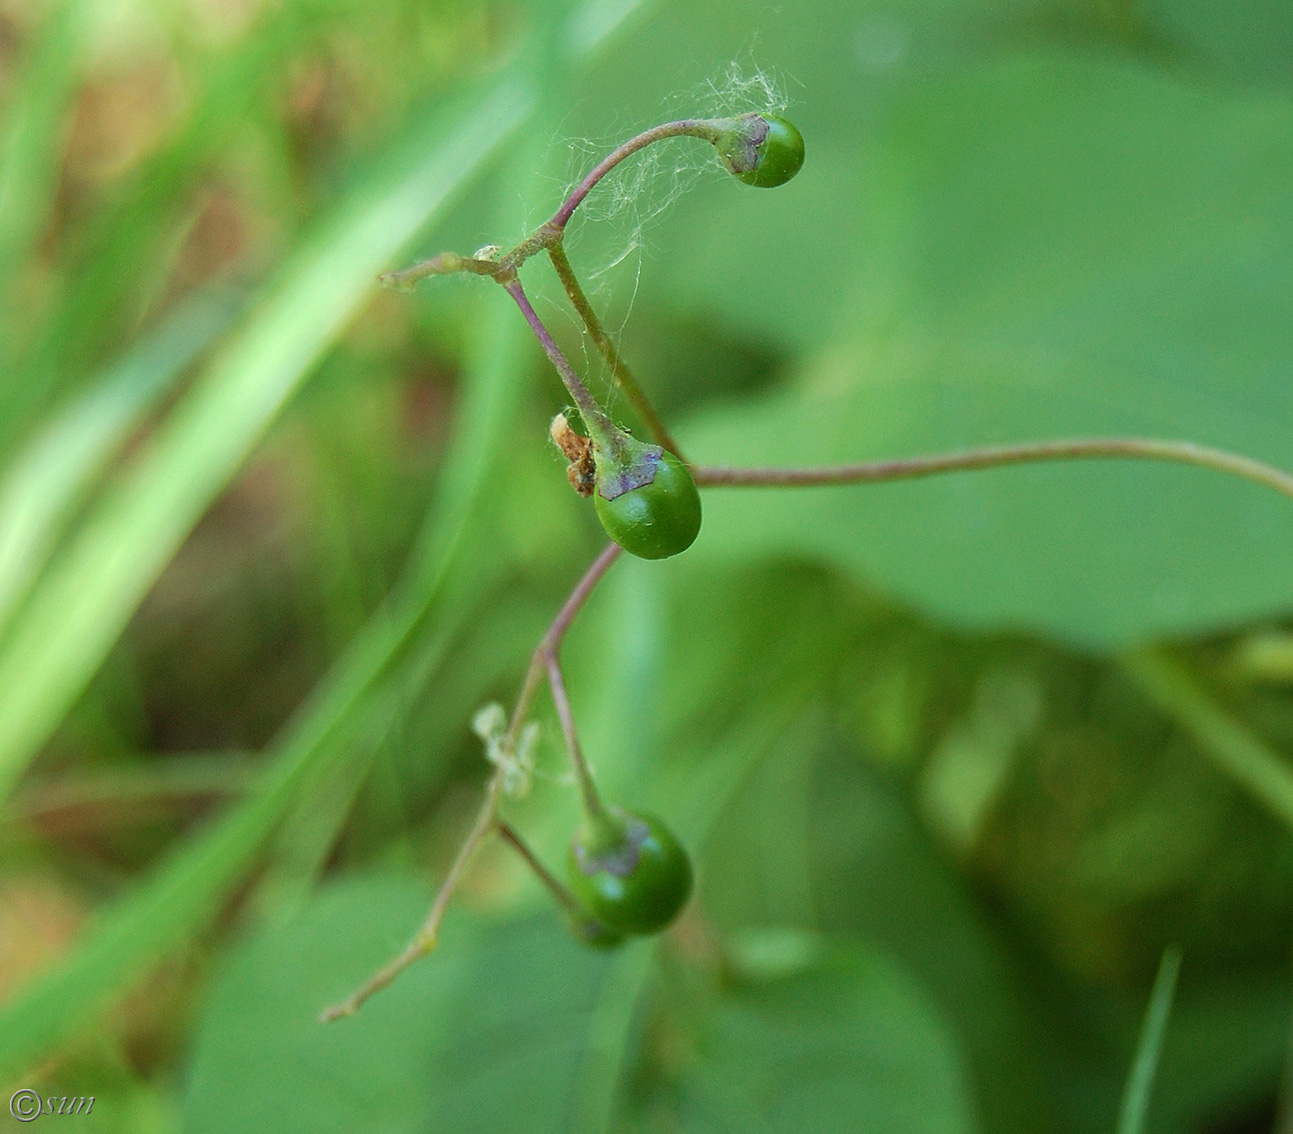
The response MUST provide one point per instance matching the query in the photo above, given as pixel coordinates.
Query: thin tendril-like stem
(544, 659)
(560, 893)
(606, 345)
(688, 127)
(1079, 448)
(594, 416)
(550, 232)
(551, 641)
(428, 936)
(593, 806)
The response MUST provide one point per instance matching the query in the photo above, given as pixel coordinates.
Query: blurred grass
(249, 505)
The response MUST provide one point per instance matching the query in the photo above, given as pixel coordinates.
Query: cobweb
(631, 199)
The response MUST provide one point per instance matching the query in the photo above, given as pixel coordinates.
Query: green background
(956, 759)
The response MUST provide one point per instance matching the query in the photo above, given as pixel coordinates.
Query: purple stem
(909, 468)
(694, 127)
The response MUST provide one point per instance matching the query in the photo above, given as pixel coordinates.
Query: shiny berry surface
(780, 155)
(656, 520)
(637, 884)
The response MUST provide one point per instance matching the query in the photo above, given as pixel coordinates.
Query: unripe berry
(762, 149)
(656, 519)
(629, 872)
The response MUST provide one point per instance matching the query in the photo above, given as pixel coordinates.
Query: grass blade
(1225, 741)
(31, 140)
(77, 611)
(1140, 1080)
(169, 907)
(53, 475)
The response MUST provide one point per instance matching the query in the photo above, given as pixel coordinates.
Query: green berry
(762, 150)
(629, 872)
(657, 519)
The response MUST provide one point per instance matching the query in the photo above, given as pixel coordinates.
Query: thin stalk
(593, 806)
(1224, 739)
(552, 638)
(487, 820)
(704, 128)
(442, 264)
(564, 898)
(428, 936)
(549, 234)
(595, 418)
(606, 345)
(910, 468)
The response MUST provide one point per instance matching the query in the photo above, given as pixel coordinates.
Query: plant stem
(706, 129)
(563, 896)
(606, 345)
(599, 424)
(442, 264)
(552, 638)
(910, 468)
(593, 806)
(549, 234)
(544, 659)
(1223, 738)
(427, 937)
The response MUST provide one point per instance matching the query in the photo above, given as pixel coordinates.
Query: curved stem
(544, 659)
(1080, 448)
(688, 127)
(606, 345)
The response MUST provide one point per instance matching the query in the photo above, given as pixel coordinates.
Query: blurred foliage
(269, 537)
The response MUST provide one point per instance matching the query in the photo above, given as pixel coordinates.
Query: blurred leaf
(1250, 41)
(82, 605)
(1079, 247)
(847, 1043)
(1227, 741)
(502, 1027)
(30, 139)
(495, 1031)
(55, 472)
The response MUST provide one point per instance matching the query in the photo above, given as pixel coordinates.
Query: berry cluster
(627, 874)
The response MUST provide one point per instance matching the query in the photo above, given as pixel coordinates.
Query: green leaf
(845, 1042)
(56, 470)
(497, 1030)
(1073, 247)
(81, 606)
(30, 134)
(1249, 41)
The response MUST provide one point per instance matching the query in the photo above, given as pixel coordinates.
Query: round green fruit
(765, 150)
(630, 874)
(656, 520)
